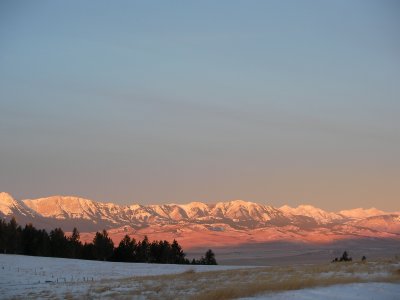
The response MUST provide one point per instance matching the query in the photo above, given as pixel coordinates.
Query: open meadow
(26, 277)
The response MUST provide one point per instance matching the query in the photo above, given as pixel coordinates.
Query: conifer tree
(58, 243)
(12, 236)
(125, 250)
(210, 258)
(75, 245)
(103, 246)
(142, 250)
(3, 229)
(178, 257)
(31, 241)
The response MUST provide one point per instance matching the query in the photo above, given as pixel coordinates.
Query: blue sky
(279, 102)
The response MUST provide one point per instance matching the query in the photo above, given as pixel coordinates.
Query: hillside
(200, 224)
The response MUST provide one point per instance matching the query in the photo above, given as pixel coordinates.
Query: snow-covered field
(23, 277)
(354, 291)
(34, 276)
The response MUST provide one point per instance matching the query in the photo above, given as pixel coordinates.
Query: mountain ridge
(227, 220)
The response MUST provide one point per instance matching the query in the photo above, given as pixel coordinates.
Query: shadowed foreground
(232, 284)
(193, 282)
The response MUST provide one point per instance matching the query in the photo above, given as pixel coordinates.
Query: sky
(276, 102)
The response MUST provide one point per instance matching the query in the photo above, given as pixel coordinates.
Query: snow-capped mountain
(10, 206)
(361, 213)
(388, 223)
(66, 207)
(317, 214)
(239, 210)
(232, 221)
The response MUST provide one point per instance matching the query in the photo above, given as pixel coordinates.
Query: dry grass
(232, 284)
(237, 290)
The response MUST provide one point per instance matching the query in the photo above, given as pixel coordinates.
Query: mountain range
(196, 223)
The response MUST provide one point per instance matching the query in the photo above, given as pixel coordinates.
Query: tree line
(37, 242)
(346, 258)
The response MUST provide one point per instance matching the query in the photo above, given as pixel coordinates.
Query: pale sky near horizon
(277, 102)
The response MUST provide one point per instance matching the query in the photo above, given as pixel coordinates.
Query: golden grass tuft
(189, 271)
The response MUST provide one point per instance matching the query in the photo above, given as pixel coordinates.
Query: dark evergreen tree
(178, 257)
(345, 257)
(3, 230)
(142, 250)
(125, 250)
(43, 243)
(74, 244)
(210, 258)
(88, 251)
(32, 241)
(12, 236)
(58, 243)
(103, 246)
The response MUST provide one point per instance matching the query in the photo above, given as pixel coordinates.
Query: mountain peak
(320, 215)
(7, 203)
(360, 213)
(241, 202)
(238, 214)
(62, 206)
(6, 198)
(9, 206)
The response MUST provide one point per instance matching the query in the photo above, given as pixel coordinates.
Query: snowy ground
(355, 291)
(31, 275)
(23, 277)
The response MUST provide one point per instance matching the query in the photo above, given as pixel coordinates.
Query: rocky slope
(221, 223)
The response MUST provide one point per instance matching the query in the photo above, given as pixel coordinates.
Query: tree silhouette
(125, 250)
(345, 257)
(58, 243)
(143, 250)
(75, 244)
(103, 246)
(12, 236)
(31, 241)
(88, 251)
(178, 257)
(210, 258)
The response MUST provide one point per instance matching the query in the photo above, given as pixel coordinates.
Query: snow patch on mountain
(222, 222)
(10, 206)
(361, 213)
(7, 203)
(319, 215)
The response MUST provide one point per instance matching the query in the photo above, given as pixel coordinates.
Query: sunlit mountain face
(199, 224)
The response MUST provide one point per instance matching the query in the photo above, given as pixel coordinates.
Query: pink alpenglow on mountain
(199, 224)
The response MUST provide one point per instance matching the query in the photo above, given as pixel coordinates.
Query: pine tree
(88, 251)
(210, 258)
(3, 229)
(126, 250)
(103, 246)
(178, 257)
(75, 245)
(30, 240)
(43, 243)
(143, 250)
(58, 243)
(12, 236)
